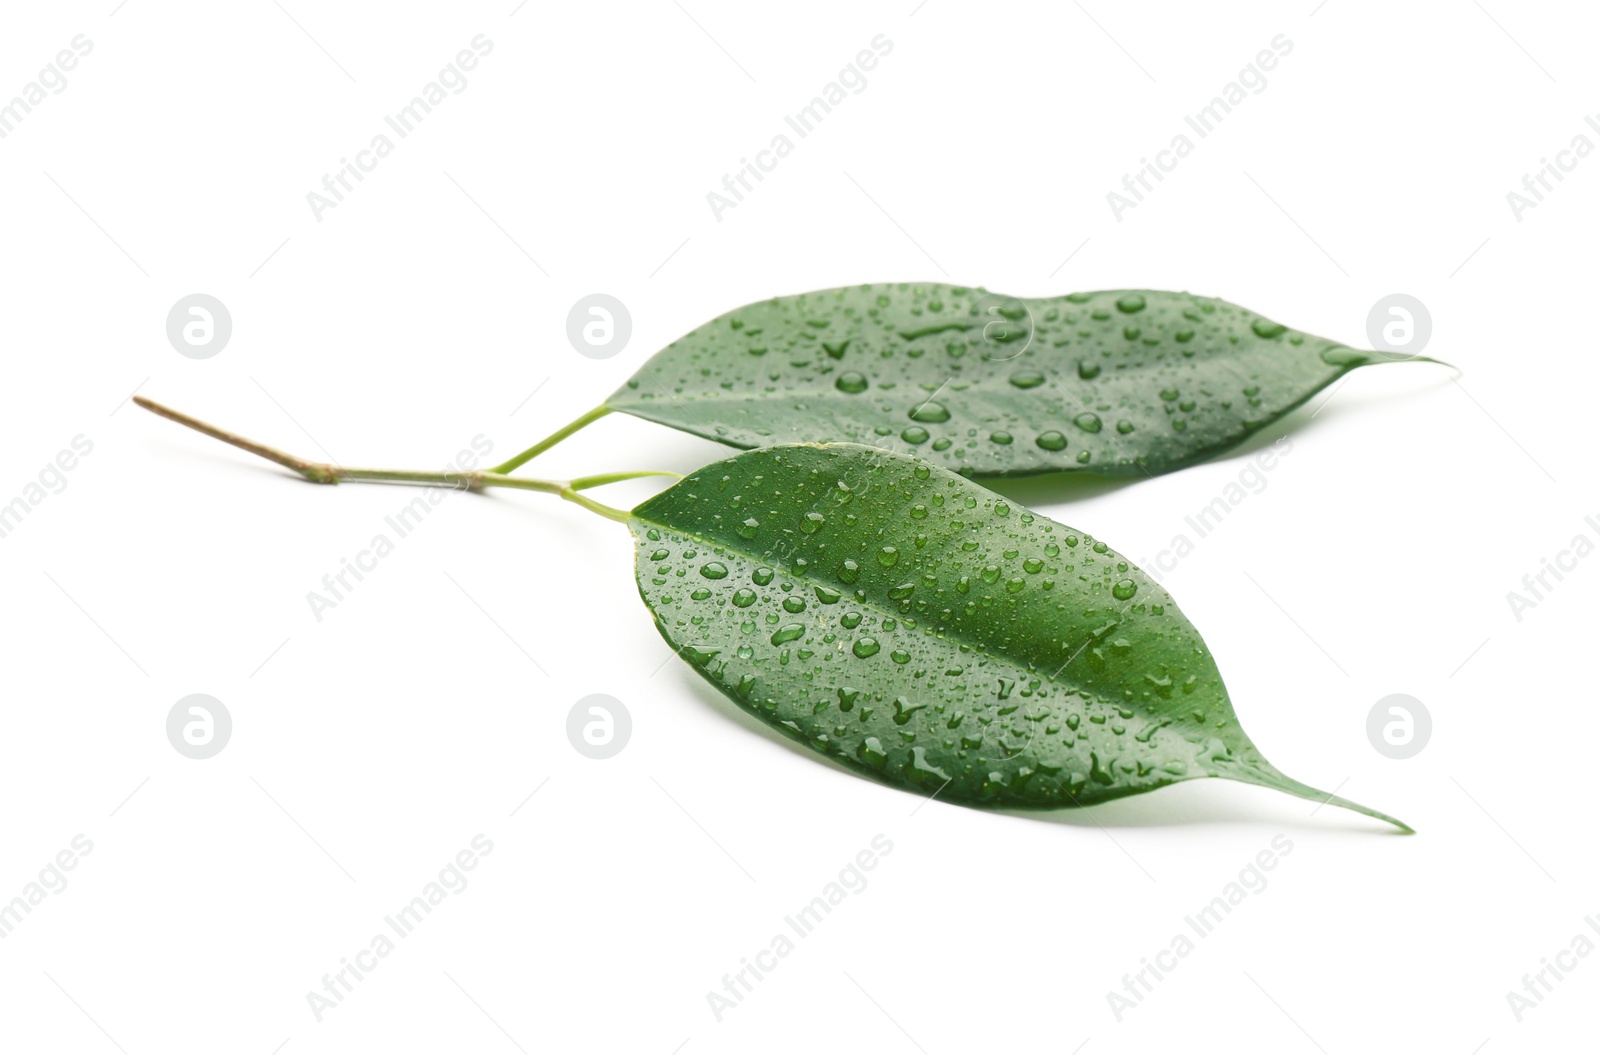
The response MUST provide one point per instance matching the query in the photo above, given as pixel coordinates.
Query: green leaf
(927, 633)
(1120, 383)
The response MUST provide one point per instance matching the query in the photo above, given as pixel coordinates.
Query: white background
(370, 747)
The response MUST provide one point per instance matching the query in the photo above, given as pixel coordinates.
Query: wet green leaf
(925, 632)
(1121, 383)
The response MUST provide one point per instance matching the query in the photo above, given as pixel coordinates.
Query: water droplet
(888, 556)
(1266, 328)
(1130, 303)
(749, 528)
(788, 632)
(1087, 422)
(715, 570)
(1337, 356)
(901, 592)
(851, 382)
(904, 709)
(1087, 370)
(811, 523)
(826, 595)
(930, 412)
(761, 576)
(1169, 394)
(1001, 438)
(744, 597)
(1027, 379)
(915, 434)
(1051, 441)
(1124, 426)
(850, 620)
(793, 605)
(864, 647)
(1124, 589)
(850, 571)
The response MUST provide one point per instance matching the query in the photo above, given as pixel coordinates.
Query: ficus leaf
(925, 632)
(1120, 383)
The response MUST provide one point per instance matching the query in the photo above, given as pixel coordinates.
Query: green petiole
(551, 440)
(325, 473)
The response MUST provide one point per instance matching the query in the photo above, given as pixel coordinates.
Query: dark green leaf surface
(1121, 383)
(925, 632)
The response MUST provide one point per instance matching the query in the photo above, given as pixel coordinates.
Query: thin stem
(583, 483)
(323, 473)
(310, 470)
(468, 481)
(551, 440)
(621, 516)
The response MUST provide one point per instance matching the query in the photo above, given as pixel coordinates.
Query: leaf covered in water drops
(1120, 383)
(925, 632)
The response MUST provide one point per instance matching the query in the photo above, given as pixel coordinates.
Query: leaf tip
(1268, 776)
